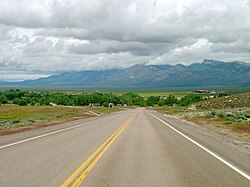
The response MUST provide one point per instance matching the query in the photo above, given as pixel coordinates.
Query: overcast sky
(43, 37)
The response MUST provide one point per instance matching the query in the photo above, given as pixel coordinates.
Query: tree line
(23, 98)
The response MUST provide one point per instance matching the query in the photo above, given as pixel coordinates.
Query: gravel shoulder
(222, 135)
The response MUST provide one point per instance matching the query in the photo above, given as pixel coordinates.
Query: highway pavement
(131, 148)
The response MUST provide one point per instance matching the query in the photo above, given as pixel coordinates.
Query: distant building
(52, 104)
(202, 91)
(94, 104)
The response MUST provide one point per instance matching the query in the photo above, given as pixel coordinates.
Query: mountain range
(209, 73)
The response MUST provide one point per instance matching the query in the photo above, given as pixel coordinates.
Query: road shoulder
(231, 149)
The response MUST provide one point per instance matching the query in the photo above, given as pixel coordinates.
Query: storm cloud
(45, 37)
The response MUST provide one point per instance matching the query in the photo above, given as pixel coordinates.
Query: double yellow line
(81, 172)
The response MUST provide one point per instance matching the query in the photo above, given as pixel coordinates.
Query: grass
(14, 117)
(233, 112)
(101, 110)
(176, 94)
(235, 120)
(172, 110)
(233, 101)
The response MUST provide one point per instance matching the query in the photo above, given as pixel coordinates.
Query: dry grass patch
(242, 130)
(235, 120)
(19, 118)
(234, 101)
(15, 118)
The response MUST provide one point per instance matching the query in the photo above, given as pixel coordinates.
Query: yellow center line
(81, 172)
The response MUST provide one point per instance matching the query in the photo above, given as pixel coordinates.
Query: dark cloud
(51, 36)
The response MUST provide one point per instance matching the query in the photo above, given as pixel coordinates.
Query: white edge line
(47, 134)
(205, 149)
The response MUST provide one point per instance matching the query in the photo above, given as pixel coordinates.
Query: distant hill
(208, 73)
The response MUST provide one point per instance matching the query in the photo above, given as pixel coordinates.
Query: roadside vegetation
(23, 98)
(20, 116)
(233, 101)
(21, 110)
(231, 113)
(26, 108)
(30, 117)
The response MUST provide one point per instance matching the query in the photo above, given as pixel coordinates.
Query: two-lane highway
(132, 148)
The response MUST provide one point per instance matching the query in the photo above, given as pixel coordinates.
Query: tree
(16, 101)
(105, 104)
(24, 101)
(142, 104)
(3, 99)
(32, 103)
(188, 99)
(152, 100)
(223, 94)
(161, 103)
(170, 100)
(131, 99)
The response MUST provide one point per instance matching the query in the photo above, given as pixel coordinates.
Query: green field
(163, 93)
(38, 116)
(176, 94)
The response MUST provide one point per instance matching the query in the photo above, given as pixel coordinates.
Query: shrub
(16, 121)
(228, 122)
(241, 116)
(210, 114)
(230, 119)
(231, 115)
(221, 115)
(247, 114)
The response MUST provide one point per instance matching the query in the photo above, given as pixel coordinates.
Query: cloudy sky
(44, 37)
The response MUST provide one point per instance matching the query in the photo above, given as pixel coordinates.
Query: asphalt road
(131, 148)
